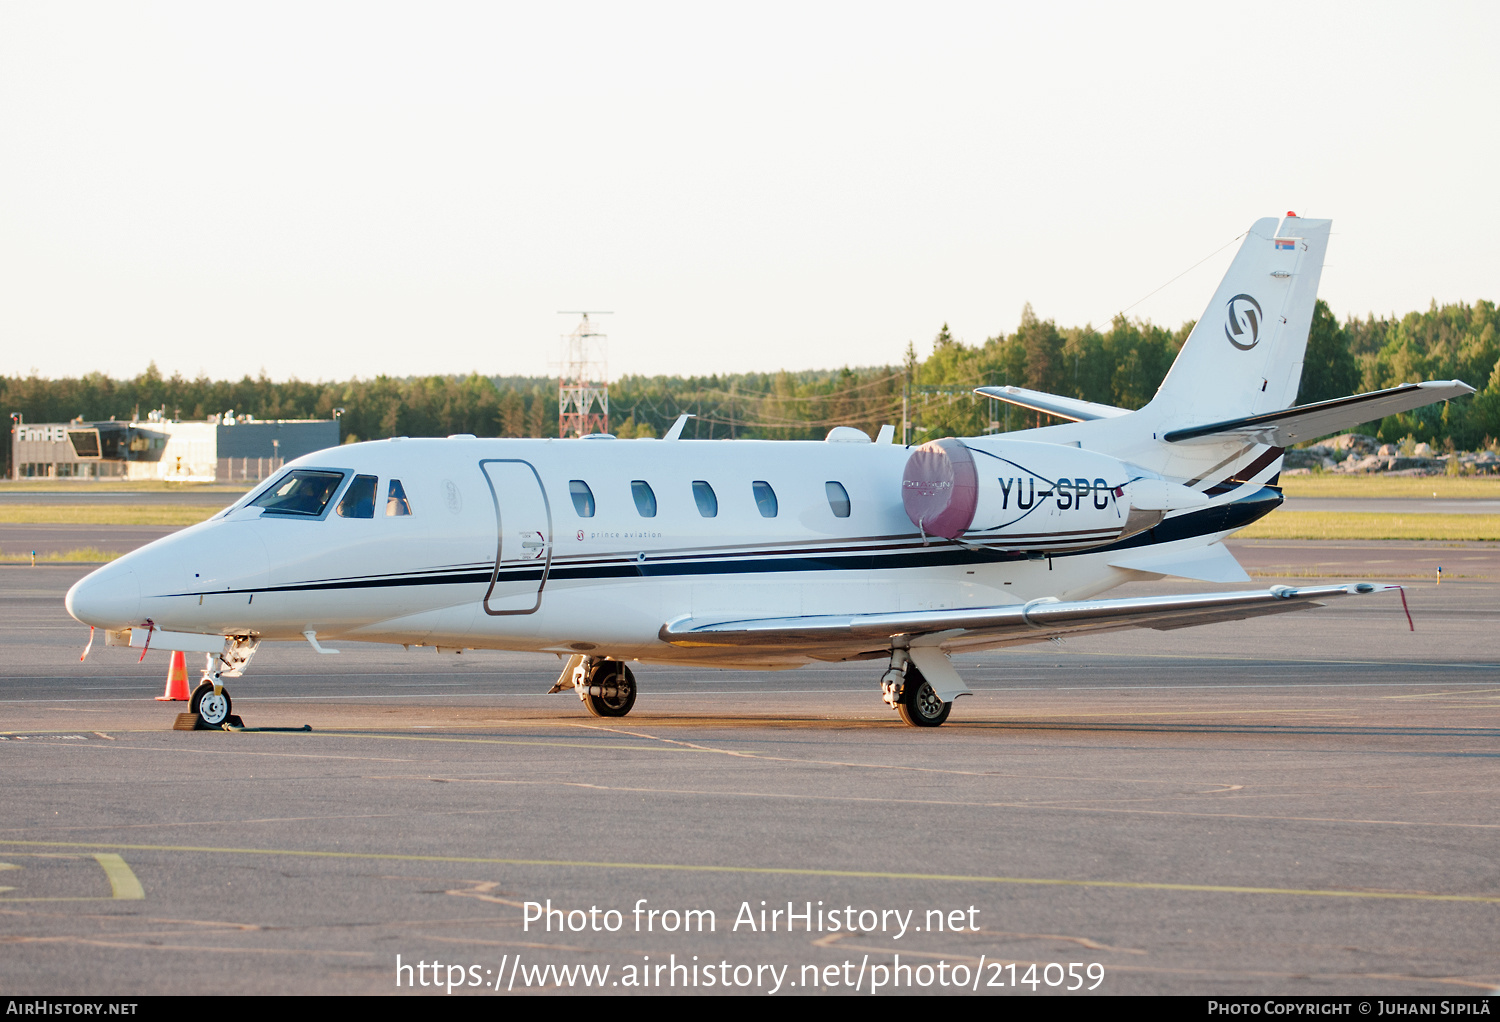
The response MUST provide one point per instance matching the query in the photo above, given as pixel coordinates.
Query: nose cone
(107, 598)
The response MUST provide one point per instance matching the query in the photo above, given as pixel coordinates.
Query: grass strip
(118, 486)
(1377, 486)
(106, 514)
(1365, 525)
(85, 554)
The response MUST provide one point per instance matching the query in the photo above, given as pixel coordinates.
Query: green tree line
(1122, 365)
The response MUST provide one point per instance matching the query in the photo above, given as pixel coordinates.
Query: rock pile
(1356, 453)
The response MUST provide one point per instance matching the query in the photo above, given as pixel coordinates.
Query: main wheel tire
(611, 689)
(212, 709)
(920, 705)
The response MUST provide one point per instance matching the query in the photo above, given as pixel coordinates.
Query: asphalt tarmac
(1297, 805)
(1396, 560)
(17, 540)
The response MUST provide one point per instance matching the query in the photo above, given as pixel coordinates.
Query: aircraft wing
(999, 626)
(1307, 422)
(1052, 404)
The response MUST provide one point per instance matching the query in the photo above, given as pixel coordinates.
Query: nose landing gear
(210, 700)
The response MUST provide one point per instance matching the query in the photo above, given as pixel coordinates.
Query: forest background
(1120, 366)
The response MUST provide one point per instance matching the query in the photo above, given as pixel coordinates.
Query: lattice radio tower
(583, 387)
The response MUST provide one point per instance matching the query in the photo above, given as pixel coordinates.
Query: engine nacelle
(1023, 496)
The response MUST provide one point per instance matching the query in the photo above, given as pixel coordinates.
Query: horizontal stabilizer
(1212, 563)
(1030, 622)
(1051, 404)
(1308, 422)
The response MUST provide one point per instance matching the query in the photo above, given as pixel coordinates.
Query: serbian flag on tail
(1286, 244)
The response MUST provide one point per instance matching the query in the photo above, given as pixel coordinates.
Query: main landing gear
(904, 689)
(606, 687)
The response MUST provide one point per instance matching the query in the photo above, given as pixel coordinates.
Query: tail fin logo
(1244, 317)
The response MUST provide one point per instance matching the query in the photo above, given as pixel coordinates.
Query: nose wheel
(211, 707)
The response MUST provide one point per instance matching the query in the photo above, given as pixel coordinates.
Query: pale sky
(324, 190)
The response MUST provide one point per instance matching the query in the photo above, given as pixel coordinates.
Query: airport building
(226, 448)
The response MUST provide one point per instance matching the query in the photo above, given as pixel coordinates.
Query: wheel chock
(193, 722)
(177, 687)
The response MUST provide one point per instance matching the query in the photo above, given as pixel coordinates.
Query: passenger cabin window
(645, 499)
(396, 504)
(359, 498)
(301, 492)
(708, 502)
(838, 498)
(765, 498)
(583, 498)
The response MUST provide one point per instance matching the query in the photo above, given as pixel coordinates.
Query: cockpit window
(396, 504)
(301, 492)
(583, 498)
(359, 499)
(765, 498)
(645, 499)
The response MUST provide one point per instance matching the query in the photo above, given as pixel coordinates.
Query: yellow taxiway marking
(329, 732)
(766, 757)
(123, 884)
(1467, 693)
(777, 871)
(122, 881)
(611, 747)
(1044, 805)
(658, 743)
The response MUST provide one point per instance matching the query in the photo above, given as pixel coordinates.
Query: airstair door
(523, 523)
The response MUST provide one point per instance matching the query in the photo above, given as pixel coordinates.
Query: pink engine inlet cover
(940, 488)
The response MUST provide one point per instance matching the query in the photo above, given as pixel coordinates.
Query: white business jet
(772, 554)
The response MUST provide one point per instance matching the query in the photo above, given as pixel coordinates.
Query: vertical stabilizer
(1244, 356)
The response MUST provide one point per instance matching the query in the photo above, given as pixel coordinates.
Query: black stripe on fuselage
(1220, 518)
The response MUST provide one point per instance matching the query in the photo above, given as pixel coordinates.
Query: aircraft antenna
(583, 379)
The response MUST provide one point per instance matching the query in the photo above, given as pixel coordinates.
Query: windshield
(302, 492)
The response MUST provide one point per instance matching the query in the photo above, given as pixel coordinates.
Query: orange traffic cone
(177, 690)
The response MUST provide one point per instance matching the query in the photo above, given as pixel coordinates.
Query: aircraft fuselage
(592, 545)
